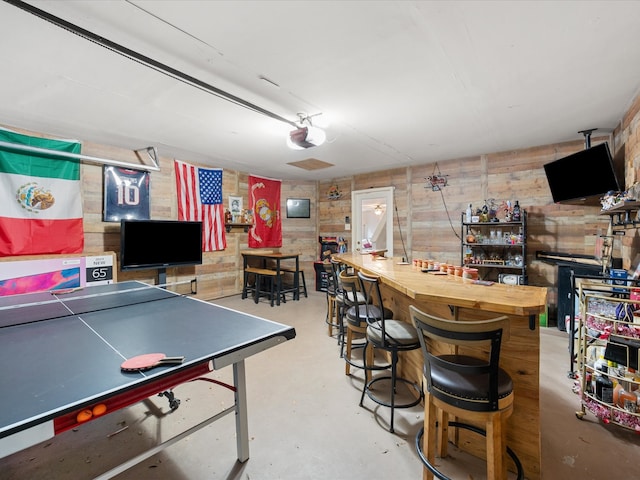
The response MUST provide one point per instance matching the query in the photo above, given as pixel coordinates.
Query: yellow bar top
(520, 300)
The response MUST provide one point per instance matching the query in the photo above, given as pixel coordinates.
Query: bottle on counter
(516, 217)
(468, 214)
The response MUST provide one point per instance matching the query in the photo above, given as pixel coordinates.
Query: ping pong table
(61, 355)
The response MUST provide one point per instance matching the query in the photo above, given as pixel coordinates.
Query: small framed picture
(235, 206)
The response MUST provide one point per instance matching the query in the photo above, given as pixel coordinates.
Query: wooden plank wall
(427, 223)
(221, 272)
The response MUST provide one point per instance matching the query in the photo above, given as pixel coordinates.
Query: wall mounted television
(158, 244)
(583, 177)
(298, 208)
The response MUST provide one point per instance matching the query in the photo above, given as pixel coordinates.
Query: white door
(372, 214)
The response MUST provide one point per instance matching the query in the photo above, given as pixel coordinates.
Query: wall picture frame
(298, 208)
(235, 206)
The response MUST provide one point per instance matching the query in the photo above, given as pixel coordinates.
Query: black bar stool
(356, 312)
(393, 336)
(333, 292)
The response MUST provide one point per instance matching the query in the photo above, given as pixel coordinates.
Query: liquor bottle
(604, 386)
(516, 212)
(468, 214)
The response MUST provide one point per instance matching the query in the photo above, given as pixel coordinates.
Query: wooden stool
(467, 384)
(301, 286)
(304, 283)
(260, 275)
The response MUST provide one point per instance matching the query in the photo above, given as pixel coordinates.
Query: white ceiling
(402, 82)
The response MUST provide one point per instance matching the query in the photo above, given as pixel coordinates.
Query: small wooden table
(278, 257)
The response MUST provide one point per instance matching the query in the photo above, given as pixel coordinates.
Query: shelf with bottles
(493, 255)
(494, 233)
(608, 353)
(620, 211)
(240, 226)
(491, 263)
(613, 413)
(241, 221)
(491, 211)
(497, 247)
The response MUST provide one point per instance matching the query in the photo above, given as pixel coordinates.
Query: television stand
(162, 277)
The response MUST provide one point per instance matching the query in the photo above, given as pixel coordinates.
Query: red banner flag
(264, 198)
(200, 199)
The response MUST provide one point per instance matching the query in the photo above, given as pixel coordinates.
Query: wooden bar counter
(451, 297)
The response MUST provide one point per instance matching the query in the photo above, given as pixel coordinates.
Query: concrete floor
(305, 423)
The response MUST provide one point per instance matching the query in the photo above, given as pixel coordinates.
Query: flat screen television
(298, 208)
(583, 177)
(150, 244)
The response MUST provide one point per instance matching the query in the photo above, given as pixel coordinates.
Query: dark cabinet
(321, 276)
(566, 301)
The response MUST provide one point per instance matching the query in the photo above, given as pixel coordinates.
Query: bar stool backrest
(478, 364)
(351, 288)
(370, 286)
(336, 268)
(332, 281)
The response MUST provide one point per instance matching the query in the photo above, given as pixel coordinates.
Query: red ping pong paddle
(148, 361)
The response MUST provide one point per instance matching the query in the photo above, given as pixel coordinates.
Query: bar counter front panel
(451, 297)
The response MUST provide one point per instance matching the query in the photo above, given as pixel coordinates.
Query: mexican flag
(40, 201)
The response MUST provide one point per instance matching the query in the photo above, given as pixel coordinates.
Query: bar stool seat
(467, 385)
(261, 276)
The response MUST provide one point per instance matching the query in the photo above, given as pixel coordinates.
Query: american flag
(200, 199)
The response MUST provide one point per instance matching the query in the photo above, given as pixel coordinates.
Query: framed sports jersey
(126, 194)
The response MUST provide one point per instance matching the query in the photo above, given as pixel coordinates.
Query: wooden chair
(467, 384)
(392, 336)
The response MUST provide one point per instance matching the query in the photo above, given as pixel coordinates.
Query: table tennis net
(42, 306)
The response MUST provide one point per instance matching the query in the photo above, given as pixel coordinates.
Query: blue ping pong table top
(55, 366)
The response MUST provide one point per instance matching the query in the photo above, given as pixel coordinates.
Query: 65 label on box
(99, 270)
